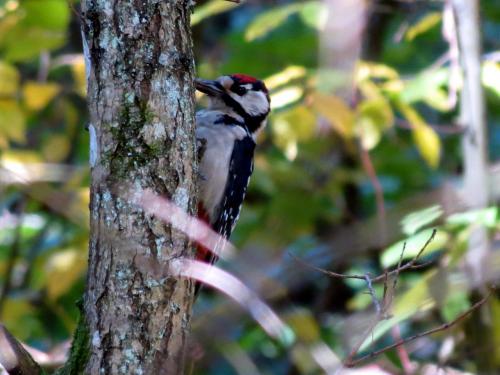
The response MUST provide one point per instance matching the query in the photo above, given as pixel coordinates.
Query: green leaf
(270, 20)
(415, 221)
(420, 87)
(9, 80)
(286, 96)
(455, 304)
(314, 14)
(38, 95)
(368, 132)
(423, 25)
(428, 143)
(12, 121)
(487, 217)
(283, 77)
(415, 243)
(495, 314)
(304, 325)
(367, 70)
(63, 269)
(425, 138)
(34, 27)
(373, 116)
(210, 9)
(336, 111)
(491, 76)
(292, 126)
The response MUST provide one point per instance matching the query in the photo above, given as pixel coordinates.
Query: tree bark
(478, 328)
(140, 94)
(475, 139)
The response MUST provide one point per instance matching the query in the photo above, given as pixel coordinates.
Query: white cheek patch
(255, 103)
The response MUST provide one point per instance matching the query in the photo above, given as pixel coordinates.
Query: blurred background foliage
(341, 182)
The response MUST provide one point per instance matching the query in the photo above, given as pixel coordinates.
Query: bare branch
(442, 327)
(376, 303)
(13, 357)
(410, 265)
(367, 163)
(451, 129)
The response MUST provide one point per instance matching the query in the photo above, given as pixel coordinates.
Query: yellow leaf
(304, 325)
(209, 9)
(4, 144)
(56, 148)
(12, 121)
(269, 20)
(439, 100)
(79, 76)
(366, 70)
(368, 132)
(286, 96)
(288, 74)
(373, 116)
(332, 108)
(428, 144)
(9, 80)
(63, 269)
(19, 157)
(423, 25)
(38, 95)
(291, 126)
(495, 314)
(491, 76)
(16, 313)
(425, 138)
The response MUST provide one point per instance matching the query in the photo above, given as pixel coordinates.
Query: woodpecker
(226, 133)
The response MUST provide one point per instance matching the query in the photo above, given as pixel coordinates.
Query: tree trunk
(478, 328)
(140, 93)
(475, 139)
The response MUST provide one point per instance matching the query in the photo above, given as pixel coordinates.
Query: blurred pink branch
(234, 288)
(194, 228)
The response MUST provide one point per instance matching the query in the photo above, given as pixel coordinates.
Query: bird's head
(240, 95)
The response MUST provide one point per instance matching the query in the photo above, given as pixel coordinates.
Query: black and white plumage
(237, 111)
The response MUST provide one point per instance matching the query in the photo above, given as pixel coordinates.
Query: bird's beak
(211, 88)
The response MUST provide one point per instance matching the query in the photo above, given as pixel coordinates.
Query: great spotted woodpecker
(226, 132)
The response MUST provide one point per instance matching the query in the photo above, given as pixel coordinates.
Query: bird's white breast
(214, 165)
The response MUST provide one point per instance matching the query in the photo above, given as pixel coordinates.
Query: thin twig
(439, 128)
(372, 294)
(410, 265)
(442, 327)
(369, 168)
(398, 269)
(75, 11)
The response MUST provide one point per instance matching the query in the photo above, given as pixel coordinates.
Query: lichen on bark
(141, 106)
(80, 348)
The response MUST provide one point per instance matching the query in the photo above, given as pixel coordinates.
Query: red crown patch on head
(243, 78)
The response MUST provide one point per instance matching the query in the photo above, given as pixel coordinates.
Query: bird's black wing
(240, 170)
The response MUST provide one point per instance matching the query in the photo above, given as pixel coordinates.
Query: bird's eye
(239, 90)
